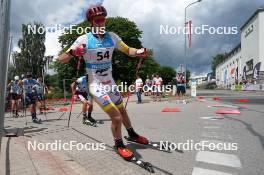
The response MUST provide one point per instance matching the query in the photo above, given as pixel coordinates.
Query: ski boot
(121, 149)
(89, 121)
(36, 120)
(133, 136)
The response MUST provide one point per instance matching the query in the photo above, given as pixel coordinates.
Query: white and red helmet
(95, 10)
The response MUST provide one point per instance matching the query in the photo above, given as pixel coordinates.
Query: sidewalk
(16, 158)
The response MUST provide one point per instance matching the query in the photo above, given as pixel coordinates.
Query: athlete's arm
(9, 85)
(131, 51)
(126, 49)
(73, 87)
(120, 45)
(65, 57)
(76, 49)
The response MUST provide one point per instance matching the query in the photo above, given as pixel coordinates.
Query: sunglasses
(99, 20)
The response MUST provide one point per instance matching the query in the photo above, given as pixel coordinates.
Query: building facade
(244, 64)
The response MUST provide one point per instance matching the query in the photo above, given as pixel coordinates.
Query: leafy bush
(211, 86)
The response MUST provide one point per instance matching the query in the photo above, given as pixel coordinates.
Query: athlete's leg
(115, 116)
(117, 99)
(84, 106)
(125, 118)
(90, 109)
(32, 106)
(16, 107)
(40, 106)
(101, 97)
(13, 107)
(13, 104)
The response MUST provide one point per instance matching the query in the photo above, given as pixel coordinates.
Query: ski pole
(77, 74)
(72, 101)
(25, 106)
(45, 107)
(140, 63)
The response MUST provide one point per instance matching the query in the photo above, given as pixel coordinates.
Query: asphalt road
(196, 122)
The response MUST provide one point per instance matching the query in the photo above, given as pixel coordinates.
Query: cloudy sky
(148, 15)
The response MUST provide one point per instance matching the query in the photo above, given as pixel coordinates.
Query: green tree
(124, 67)
(167, 73)
(52, 80)
(31, 57)
(219, 58)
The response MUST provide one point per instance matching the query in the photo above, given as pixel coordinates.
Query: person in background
(15, 91)
(158, 85)
(180, 86)
(81, 90)
(31, 96)
(148, 83)
(139, 86)
(40, 91)
(153, 87)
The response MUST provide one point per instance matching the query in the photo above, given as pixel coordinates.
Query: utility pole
(4, 54)
(185, 50)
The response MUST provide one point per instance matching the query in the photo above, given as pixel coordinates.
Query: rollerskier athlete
(97, 54)
(81, 91)
(31, 96)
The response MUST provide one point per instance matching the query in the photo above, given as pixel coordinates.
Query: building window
(249, 65)
(249, 30)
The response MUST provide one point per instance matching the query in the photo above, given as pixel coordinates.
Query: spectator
(158, 86)
(180, 85)
(139, 85)
(148, 84)
(15, 92)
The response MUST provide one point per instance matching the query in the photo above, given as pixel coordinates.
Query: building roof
(261, 9)
(238, 47)
(228, 55)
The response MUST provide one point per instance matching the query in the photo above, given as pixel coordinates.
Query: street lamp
(185, 39)
(4, 55)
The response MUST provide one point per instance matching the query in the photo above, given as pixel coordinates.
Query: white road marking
(210, 134)
(211, 127)
(201, 171)
(212, 118)
(218, 158)
(226, 106)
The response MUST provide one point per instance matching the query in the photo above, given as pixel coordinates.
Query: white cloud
(49, 13)
(148, 15)
(52, 44)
